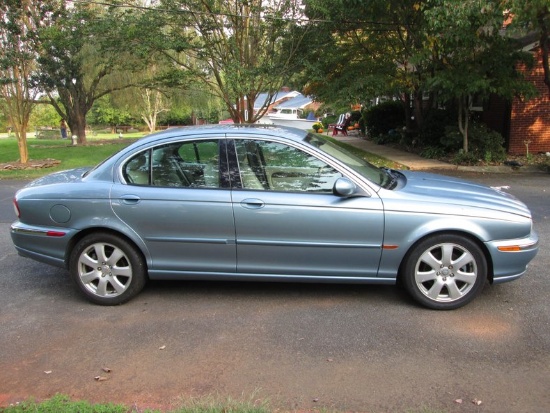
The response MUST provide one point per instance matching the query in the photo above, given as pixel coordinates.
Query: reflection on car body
(242, 202)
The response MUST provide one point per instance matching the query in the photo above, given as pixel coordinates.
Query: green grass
(62, 150)
(62, 404)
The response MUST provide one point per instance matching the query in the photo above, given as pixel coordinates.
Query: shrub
(483, 144)
(382, 118)
(433, 152)
(433, 128)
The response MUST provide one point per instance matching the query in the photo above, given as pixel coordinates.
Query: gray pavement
(417, 163)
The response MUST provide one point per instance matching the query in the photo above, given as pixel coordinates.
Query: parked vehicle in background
(267, 203)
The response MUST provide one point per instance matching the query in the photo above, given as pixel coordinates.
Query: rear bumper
(48, 245)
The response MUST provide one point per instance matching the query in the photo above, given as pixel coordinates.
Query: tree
(237, 48)
(473, 58)
(105, 113)
(76, 70)
(369, 49)
(17, 66)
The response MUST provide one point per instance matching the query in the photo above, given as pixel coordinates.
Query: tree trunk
(21, 135)
(463, 111)
(77, 124)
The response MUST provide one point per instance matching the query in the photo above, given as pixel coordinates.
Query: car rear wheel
(107, 269)
(445, 272)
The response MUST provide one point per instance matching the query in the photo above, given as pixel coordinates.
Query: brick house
(520, 122)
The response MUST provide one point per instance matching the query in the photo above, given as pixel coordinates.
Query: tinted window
(273, 166)
(181, 164)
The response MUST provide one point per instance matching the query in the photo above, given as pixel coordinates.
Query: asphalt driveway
(301, 347)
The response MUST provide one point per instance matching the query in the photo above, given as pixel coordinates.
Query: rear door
(177, 199)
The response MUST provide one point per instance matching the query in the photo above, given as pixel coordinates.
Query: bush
(433, 152)
(483, 144)
(382, 118)
(433, 128)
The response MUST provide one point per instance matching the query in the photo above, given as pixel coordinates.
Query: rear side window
(193, 164)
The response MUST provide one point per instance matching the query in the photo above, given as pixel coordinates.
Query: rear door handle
(130, 199)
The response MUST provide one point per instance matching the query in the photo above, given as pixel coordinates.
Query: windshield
(374, 174)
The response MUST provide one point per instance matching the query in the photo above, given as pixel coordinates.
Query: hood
(461, 193)
(72, 175)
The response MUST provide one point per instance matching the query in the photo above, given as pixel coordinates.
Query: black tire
(445, 271)
(107, 269)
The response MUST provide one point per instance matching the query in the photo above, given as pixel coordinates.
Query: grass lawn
(99, 147)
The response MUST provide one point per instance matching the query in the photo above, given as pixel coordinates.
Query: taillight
(16, 208)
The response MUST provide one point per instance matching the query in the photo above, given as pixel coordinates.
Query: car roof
(229, 130)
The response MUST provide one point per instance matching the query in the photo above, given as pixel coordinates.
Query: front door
(289, 222)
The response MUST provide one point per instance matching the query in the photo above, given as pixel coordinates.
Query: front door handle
(252, 203)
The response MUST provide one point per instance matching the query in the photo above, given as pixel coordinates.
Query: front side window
(273, 166)
(191, 164)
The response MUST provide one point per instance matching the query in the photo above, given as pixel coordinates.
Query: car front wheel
(445, 272)
(107, 269)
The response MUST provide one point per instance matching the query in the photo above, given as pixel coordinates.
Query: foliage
(18, 65)
(76, 69)
(44, 114)
(383, 118)
(528, 17)
(176, 116)
(442, 50)
(104, 113)
(238, 49)
(472, 58)
(485, 144)
(367, 53)
(433, 152)
(434, 127)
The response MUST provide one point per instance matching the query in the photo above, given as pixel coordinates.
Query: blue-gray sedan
(259, 203)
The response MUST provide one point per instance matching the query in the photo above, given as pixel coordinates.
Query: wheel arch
(92, 230)
(465, 234)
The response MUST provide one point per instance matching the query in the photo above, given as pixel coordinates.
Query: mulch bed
(32, 164)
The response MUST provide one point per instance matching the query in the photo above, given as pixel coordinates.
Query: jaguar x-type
(264, 203)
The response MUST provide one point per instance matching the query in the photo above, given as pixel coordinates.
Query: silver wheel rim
(104, 270)
(446, 272)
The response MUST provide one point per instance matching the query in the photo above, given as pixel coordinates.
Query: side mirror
(344, 187)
